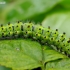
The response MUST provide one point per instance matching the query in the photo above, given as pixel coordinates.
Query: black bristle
(2, 33)
(30, 21)
(68, 40)
(36, 34)
(28, 26)
(51, 38)
(47, 31)
(16, 32)
(8, 23)
(17, 26)
(26, 32)
(2, 28)
(44, 36)
(56, 29)
(62, 36)
(39, 28)
(64, 33)
(55, 32)
(64, 45)
(9, 33)
(18, 21)
(48, 27)
(68, 49)
(9, 27)
(58, 41)
(1, 25)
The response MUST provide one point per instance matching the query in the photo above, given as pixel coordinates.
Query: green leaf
(50, 55)
(4, 68)
(58, 20)
(59, 65)
(26, 54)
(25, 9)
(65, 4)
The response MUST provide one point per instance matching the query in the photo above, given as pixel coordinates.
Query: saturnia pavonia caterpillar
(38, 33)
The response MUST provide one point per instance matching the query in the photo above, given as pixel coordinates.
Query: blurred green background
(54, 13)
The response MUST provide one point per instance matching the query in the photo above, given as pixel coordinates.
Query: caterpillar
(38, 33)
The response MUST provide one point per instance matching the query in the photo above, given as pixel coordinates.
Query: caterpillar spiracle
(38, 33)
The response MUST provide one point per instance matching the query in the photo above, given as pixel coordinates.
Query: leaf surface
(25, 54)
(59, 65)
(58, 20)
(25, 9)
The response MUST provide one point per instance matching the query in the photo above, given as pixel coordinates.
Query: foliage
(24, 54)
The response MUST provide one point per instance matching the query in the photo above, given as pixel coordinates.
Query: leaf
(4, 68)
(25, 54)
(59, 65)
(14, 56)
(50, 55)
(2, 5)
(65, 4)
(58, 20)
(25, 9)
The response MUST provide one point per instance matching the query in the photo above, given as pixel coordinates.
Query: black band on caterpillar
(37, 32)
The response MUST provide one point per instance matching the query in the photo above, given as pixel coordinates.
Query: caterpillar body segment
(46, 34)
(3, 28)
(10, 34)
(37, 32)
(27, 30)
(54, 34)
(67, 50)
(18, 26)
(62, 37)
(10, 27)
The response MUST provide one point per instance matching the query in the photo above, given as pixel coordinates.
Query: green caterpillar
(37, 32)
